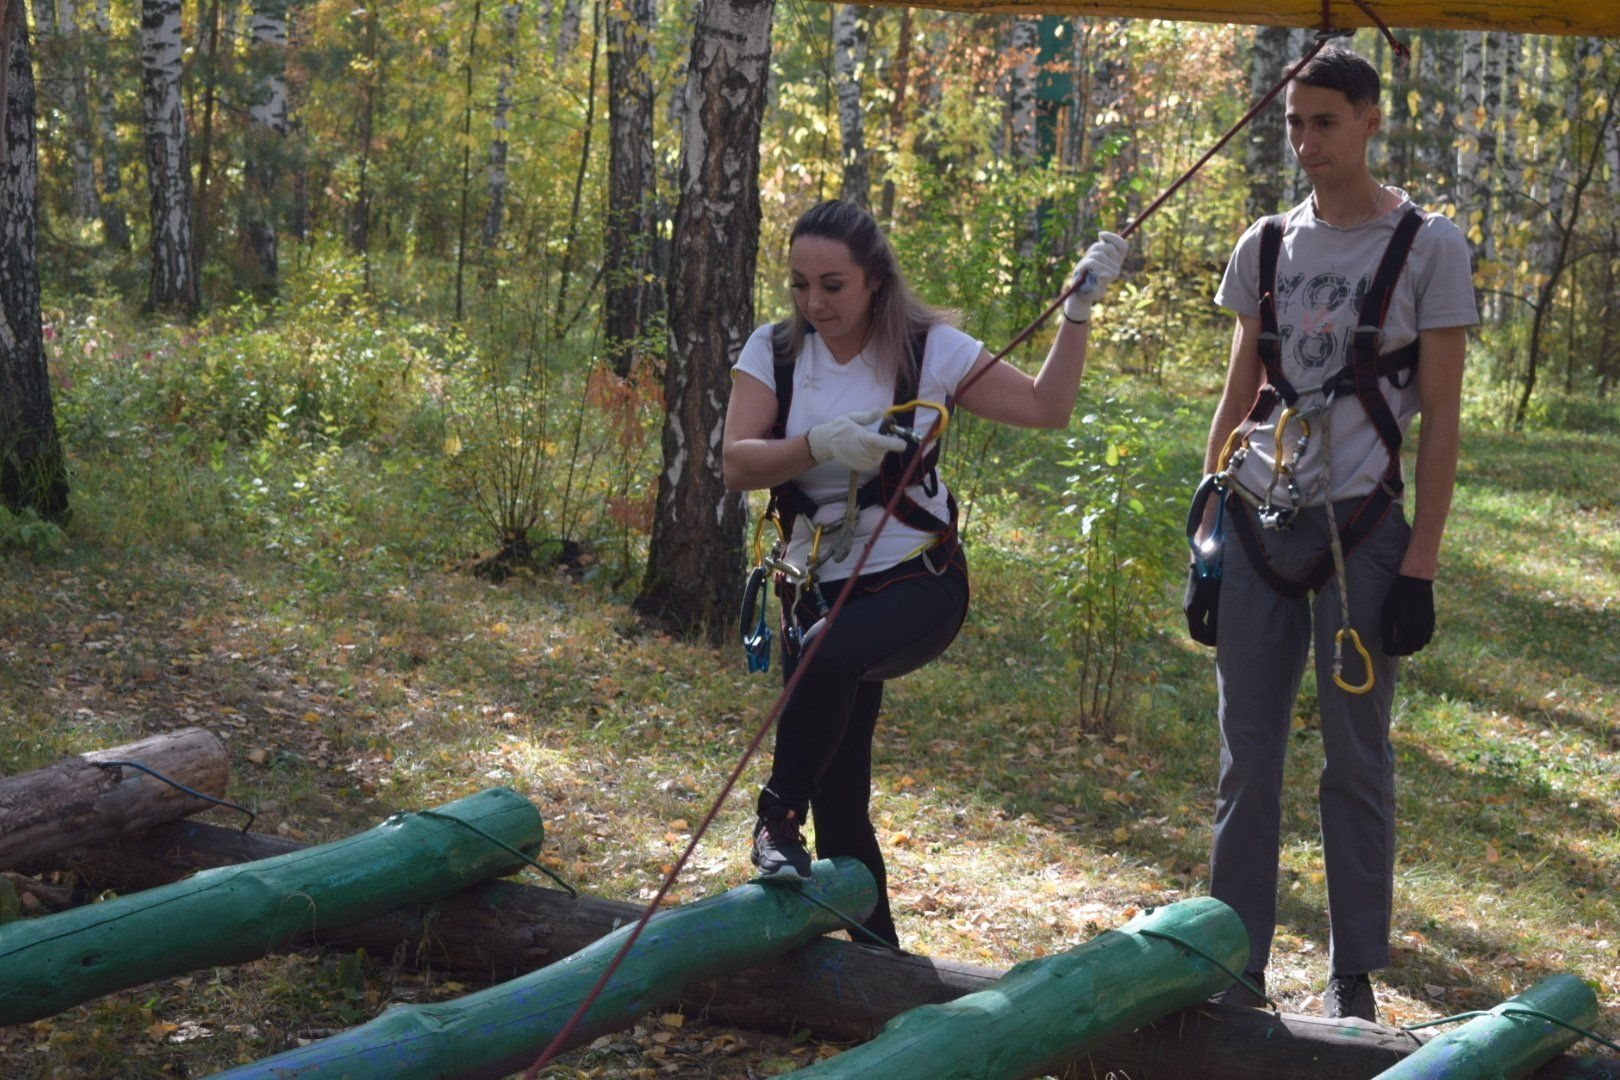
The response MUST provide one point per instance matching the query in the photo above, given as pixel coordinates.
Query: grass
(309, 605)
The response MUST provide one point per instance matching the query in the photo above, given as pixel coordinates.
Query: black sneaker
(779, 849)
(1238, 994)
(1350, 995)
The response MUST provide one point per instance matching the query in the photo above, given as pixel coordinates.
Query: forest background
(373, 331)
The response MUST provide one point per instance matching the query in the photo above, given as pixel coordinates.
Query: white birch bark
(174, 272)
(1026, 30)
(631, 299)
(501, 125)
(694, 562)
(113, 223)
(849, 31)
(86, 201)
(267, 142)
(1474, 182)
(1270, 164)
(567, 30)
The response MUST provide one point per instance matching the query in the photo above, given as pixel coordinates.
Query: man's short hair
(1336, 68)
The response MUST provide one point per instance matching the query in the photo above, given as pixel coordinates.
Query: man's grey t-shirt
(1322, 274)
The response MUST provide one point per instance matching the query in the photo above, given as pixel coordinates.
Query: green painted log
(241, 912)
(502, 1029)
(1501, 1046)
(1049, 1011)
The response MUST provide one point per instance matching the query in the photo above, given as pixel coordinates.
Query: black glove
(1202, 605)
(1407, 621)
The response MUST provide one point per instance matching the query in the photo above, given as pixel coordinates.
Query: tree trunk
(1488, 166)
(1474, 193)
(113, 223)
(360, 212)
(267, 142)
(631, 300)
(501, 125)
(849, 32)
(86, 200)
(205, 156)
(567, 31)
(466, 160)
(80, 802)
(1268, 165)
(168, 169)
(497, 930)
(560, 322)
(33, 469)
(241, 913)
(694, 563)
(901, 82)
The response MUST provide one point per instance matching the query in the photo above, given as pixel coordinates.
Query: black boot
(779, 849)
(1350, 995)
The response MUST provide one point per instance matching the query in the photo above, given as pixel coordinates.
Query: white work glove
(1103, 261)
(847, 441)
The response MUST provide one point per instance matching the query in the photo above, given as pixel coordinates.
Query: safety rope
(193, 792)
(561, 1038)
(1241, 980)
(1514, 1008)
(498, 842)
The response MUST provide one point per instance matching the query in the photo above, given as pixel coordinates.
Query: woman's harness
(788, 501)
(1360, 376)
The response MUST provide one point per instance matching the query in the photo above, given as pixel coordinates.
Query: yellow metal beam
(1597, 18)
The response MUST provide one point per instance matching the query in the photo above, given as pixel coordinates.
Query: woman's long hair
(897, 314)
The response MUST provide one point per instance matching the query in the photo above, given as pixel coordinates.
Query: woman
(852, 348)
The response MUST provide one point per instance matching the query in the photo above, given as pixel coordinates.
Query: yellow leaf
(1491, 854)
(452, 444)
(673, 1020)
(312, 717)
(160, 1029)
(499, 628)
(1121, 835)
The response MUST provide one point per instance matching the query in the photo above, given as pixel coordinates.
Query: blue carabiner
(1207, 554)
(756, 639)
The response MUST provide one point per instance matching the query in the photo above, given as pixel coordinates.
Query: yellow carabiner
(815, 547)
(1282, 431)
(759, 536)
(908, 406)
(1338, 657)
(1232, 442)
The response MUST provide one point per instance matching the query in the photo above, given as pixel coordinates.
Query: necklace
(1378, 197)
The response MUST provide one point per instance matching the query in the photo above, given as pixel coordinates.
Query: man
(1332, 309)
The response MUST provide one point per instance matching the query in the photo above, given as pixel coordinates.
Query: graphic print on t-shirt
(1328, 309)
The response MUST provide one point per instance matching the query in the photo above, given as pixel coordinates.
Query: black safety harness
(1360, 376)
(788, 501)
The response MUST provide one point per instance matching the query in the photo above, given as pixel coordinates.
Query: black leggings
(899, 620)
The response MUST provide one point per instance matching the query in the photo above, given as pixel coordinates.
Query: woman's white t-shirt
(824, 389)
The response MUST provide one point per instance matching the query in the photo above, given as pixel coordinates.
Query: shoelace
(783, 830)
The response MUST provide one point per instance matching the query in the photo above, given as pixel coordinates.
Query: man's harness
(1360, 376)
(788, 501)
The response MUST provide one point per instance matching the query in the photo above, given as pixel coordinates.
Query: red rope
(560, 1041)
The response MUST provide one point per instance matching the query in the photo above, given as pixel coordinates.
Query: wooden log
(840, 990)
(496, 1031)
(77, 802)
(1045, 1013)
(241, 912)
(1505, 1043)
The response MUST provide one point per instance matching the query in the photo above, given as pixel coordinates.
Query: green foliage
(1114, 553)
(25, 531)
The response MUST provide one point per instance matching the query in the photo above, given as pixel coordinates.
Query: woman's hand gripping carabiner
(911, 434)
(1338, 661)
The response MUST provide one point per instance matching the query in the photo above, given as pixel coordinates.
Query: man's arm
(1440, 375)
(1244, 374)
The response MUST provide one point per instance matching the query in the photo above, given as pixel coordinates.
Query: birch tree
(1269, 168)
(33, 472)
(631, 302)
(501, 124)
(1474, 194)
(174, 281)
(113, 223)
(849, 31)
(694, 563)
(81, 139)
(266, 147)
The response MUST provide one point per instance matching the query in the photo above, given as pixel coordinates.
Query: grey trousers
(1263, 641)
